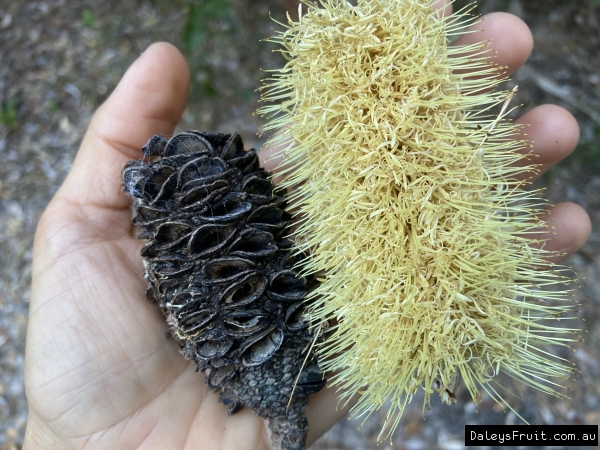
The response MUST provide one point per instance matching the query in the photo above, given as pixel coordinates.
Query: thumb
(149, 100)
(90, 207)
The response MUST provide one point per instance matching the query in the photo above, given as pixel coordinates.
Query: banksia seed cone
(409, 203)
(220, 270)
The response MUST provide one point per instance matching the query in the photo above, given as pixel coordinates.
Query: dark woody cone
(220, 270)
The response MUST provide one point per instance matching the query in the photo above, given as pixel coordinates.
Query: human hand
(99, 371)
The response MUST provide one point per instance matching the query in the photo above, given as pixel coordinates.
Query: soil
(59, 60)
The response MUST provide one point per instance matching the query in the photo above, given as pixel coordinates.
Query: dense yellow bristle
(408, 203)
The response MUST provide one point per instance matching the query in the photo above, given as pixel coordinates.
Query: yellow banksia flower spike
(408, 202)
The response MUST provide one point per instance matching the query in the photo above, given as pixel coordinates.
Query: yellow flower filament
(408, 203)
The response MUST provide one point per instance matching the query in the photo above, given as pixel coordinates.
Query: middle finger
(509, 40)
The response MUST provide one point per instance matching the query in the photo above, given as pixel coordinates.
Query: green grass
(88, 19)
(52, 106)
(200, 14)
(8, 114)
(587, 151)
(203, 24)
(203, 18)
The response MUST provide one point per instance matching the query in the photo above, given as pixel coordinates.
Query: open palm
(100, 372)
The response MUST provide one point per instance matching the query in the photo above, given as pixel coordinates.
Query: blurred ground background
(60, 59)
